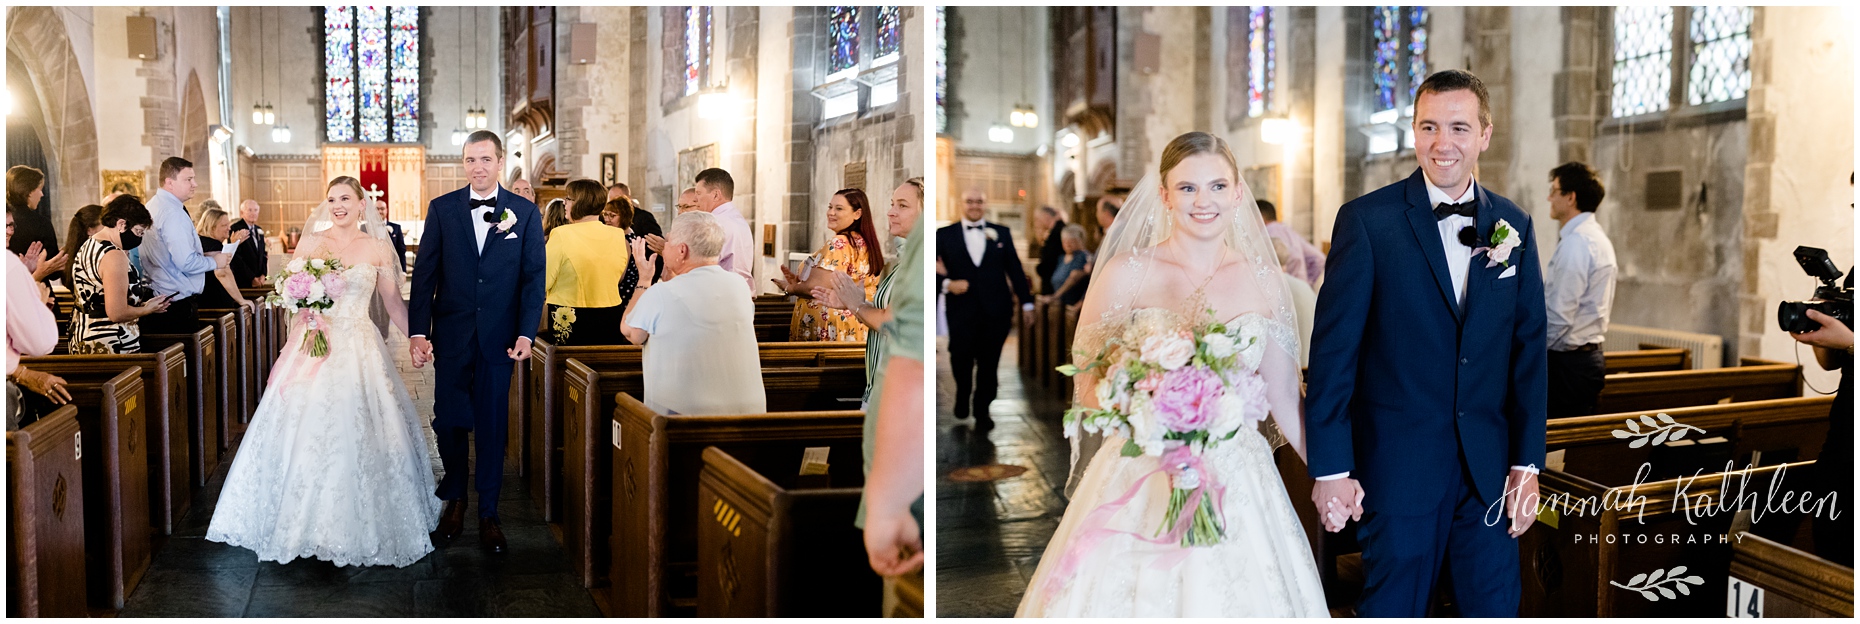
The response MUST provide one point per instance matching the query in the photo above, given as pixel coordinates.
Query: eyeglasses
(687, 206)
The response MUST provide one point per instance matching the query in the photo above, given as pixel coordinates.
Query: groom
(478, 287)
(1427, 381)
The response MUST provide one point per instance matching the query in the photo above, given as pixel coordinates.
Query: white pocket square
(1508, 273)
(510, 236)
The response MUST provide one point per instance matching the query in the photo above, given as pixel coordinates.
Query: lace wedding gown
(336, 464)
(1262, 568)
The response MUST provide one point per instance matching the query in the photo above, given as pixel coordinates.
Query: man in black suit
(984, 279)
(1049, 220)
(400, 244)
(249, 260)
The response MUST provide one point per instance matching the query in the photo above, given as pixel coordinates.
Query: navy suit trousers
(1402, 557)
(487, 383)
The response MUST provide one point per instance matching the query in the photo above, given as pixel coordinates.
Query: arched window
(1398, 66)
(371, 68)
(863, 48)
(697, 48)
(1262, 61)
(1713, 62)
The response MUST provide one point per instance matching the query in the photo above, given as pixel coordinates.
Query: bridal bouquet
(311, 285)
(1172, 389)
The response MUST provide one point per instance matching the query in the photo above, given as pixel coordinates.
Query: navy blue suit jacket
(994, 285)
(400, 243)
(1404, 381)
(484, 301)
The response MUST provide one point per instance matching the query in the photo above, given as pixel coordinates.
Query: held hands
(1338, 501)
(1520, 501)
(421, 350)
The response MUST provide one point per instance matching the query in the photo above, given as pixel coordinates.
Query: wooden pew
(542, 422)
(1646, 360)
(590, 398)
(239, 342)
(1793, 583)
(111, 410)
(1754, 381)
(203, 398)
(1582, 550)
(772, 543)
(45, 520)
(164, 387)
(773, 319)
(1776, 431)
(654, 547)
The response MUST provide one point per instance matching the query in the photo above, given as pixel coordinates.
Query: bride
(1187, 242)
(335, 464)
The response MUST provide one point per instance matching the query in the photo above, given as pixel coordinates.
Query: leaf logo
(1659, 431)
(1647, 584)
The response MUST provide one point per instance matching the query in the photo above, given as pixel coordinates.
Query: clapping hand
(1338, 501)
(655, 242)
(787, 281)
(841, 291)
(648, 271)
(240, 236)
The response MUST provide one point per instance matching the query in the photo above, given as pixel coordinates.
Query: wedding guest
(83, 224)
(215, 230)
(846, 293)
(250, 262)
(1302, 259)
(30, 330)
(715, 189)
(984, 279)
(1579, 288)
(697, 324)
(618, 213)
(581, 270)
(687, 201)
(643, 223)
(522, 188)
(1048, 223)
(34, 233)
(1073, 273)
(853, 250)
(113, 297)
(394, 235)
(1108, 206)
(554, 215)
(893, 502)
(174, 262)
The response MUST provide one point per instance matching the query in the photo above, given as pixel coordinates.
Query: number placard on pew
(769, 546)
(45, 490)
(111, 412)
(165, 390)
(654, 546)
(1773, 580)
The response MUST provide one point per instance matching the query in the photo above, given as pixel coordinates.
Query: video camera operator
(1834, 349)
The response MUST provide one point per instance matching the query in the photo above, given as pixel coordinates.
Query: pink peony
(297, 286)
(333, 285)
(1188, 400)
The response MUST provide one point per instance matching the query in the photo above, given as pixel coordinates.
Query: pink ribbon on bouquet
(1092, 531)
(298, 370)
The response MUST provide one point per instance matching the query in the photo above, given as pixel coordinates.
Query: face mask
(130, 240)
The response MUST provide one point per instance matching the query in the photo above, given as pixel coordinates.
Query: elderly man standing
(715, 189)
(173, 261)
(249, 262)
(695, 325)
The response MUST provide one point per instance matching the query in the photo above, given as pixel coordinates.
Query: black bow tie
(484, 203)
(975, 227)
(1468, 209)
(491, 217)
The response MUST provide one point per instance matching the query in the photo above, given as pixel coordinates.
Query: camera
(1830, 298)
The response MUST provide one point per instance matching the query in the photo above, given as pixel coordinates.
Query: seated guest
(215, 229)
(583, 305)
(1073, 272)
(111, 294)
(86, 222)
(696, 326)
(854, 251)
(30, 330)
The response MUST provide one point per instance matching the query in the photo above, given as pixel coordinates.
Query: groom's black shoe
(491, 535)
(451, 522)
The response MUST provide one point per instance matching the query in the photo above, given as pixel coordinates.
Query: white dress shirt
(1459, 260)
(1579, 288)
(976, 241)
(478, 226)
(739, 252)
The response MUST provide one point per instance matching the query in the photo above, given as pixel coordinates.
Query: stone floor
(192, 577)
(990, 536)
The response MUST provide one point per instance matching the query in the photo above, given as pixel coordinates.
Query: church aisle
(991, 534)
(192, 577)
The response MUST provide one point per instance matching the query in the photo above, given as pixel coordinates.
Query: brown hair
(128, 209)
(79, 231)
(1194, 144)
(172, 166)
(588, 197)
(351, 183)
(1448, 80)
(622, 206)
(863, 228)
(21, 181)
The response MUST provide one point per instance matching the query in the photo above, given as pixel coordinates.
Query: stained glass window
(890, 31)
(1385, 27)
(1417, 50)
(405, 72)
(1262, 61)
(1643, 63)
(942, 70)
(842, 38)
(1720, 54)
(371, 63)
(697, 47)
(339, 61)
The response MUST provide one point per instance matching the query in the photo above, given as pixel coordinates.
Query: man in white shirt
(695, 326)
(174, 263)
(715, 189)
(1579, 291)
(1302, 259)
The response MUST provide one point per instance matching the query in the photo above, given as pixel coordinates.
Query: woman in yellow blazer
(586, 260)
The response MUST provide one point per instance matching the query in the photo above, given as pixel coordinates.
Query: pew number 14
(1745, 600)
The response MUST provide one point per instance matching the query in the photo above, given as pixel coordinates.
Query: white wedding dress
(1262, 568)
(335, 464)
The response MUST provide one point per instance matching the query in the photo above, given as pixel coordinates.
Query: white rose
(1220, 345)
(319, 264)
(1169, 351)
(1232, 414)
(316, 291)
(295, 266)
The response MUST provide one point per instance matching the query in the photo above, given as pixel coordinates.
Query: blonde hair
(1195, 144)
(208, 220)
(351, 183)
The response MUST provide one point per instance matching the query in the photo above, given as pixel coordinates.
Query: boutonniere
(991, 234)
(1503, 241)
(506, 220)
